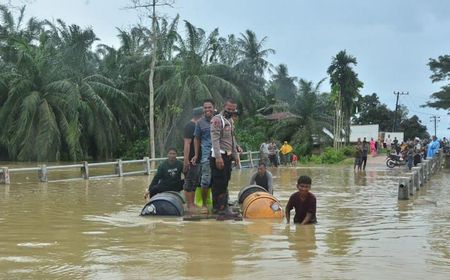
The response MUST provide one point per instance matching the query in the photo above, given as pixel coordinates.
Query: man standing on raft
(223, 152)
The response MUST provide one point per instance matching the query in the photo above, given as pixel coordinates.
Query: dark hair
(230, 100)
(262, 164)
(172, 149)
(209, 101)
(304, 180)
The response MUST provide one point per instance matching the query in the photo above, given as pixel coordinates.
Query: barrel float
(262, 205)
(164, 204)
(248, 190)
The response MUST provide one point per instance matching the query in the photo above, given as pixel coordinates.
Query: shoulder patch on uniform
(216, 122)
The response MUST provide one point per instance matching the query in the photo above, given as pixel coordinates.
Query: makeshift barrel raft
(258, 203)
(164, 204)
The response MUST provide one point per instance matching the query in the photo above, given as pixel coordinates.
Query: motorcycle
(393, 160)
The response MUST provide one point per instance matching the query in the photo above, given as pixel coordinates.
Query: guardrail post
(43, 173)
(147, 165)
(417, 177)
(403, 189)
(426, 175)
(119, 168)
(85, 170)
(411, 183)
(4, 176)
(250, 157)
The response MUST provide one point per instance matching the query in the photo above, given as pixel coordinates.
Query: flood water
(91, 230)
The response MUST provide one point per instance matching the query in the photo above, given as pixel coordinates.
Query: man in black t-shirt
(168, 176)
(191, 169)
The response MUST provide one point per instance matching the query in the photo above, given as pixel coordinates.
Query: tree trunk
(151, 96)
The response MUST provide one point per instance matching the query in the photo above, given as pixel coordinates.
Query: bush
(330, 155)
(348, 151)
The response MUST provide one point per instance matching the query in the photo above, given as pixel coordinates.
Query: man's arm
(287, 212)
(307, 219)
(196, 150)
(186, 150)
(216, 128)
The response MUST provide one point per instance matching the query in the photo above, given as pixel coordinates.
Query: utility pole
(435, 119)
(398, 93)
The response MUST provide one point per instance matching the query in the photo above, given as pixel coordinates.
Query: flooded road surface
(91, 230)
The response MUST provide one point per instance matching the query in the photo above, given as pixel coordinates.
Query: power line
(398, 93)
(434, 119)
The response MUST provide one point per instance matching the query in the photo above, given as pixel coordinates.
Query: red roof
(280, 116)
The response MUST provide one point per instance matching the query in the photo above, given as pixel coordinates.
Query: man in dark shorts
(168, 176)
(191, 168)
(304, 203)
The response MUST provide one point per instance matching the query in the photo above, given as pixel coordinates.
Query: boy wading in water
(304, 203)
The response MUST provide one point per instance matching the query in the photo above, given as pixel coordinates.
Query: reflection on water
(91, 230)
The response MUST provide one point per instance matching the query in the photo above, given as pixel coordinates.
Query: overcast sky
(391, 40)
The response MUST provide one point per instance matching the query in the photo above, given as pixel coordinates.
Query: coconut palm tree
(282, 87)
(189, 79)
(343, 77)
(310, 117)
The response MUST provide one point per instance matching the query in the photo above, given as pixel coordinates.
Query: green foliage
(250, 133)
(330, 155)
(138, 150)
(348, 151)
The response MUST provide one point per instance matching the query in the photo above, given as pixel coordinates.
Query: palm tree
(310, 110)
(188, 80)
(251, 68)
(282, 86)
(343, 77)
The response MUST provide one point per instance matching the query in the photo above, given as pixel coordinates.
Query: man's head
(304, 184)
(434, 137)
(229, 108)
(364, 140)
(208, 108)
(172, 154)
(197, 113)
(261, 168)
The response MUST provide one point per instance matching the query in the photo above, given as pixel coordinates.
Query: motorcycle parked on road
(393, 160)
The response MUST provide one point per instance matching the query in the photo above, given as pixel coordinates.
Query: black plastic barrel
(248, 190)
(164, 204)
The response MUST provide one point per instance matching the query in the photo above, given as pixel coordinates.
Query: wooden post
(403, 189)
(85, 170)
(147, 165)
(250, 157)
(4, 178)
(119, 168)
(43, 173)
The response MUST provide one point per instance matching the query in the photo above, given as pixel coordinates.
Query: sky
(391, 40)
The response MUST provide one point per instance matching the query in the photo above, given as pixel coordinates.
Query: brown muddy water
(92, 230)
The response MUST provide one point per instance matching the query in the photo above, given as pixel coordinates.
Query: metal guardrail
(119, 165)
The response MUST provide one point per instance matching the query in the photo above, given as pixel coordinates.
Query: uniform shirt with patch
(222, 136)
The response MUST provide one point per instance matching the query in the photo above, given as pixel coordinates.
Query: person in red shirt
(294, 160)
(304, 203)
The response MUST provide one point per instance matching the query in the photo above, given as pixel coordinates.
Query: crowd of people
(209, 149)
(270, 155)
(410, 151)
